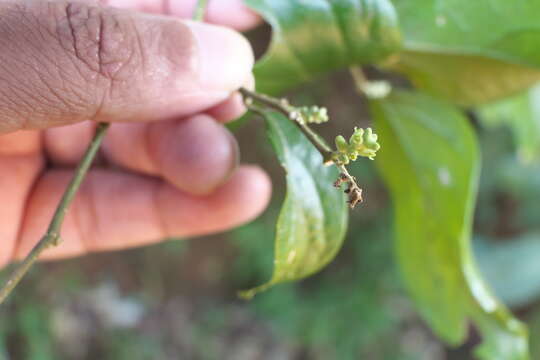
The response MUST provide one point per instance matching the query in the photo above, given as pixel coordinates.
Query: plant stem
(283, 106)
(52, 237)
(200, 8)
(359, 78)
(353, 191)
(317, 141)
(376, 89)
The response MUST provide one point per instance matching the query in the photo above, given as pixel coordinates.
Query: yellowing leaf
(470, 52)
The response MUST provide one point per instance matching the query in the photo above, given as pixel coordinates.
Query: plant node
(363, 142)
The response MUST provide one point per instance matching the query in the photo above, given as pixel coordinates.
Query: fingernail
(225, 57)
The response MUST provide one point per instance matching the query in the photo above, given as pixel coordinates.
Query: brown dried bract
(355, 196)
(353, 191)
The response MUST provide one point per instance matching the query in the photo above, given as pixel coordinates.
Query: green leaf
(313, 220)
(521, 113)
(470, 52)
(430, 161)
(311, 38)
(465, 80)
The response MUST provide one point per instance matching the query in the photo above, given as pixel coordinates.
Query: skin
(166, 84)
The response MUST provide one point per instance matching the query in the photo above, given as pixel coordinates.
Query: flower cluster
(362, 143)
(312, 114)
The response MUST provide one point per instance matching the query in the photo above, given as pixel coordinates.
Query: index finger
(231, 13)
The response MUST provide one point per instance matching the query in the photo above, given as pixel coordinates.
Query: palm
(147, 192)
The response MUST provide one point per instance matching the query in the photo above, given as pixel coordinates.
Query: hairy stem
(52, 237)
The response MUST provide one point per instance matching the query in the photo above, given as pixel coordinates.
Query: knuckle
(103, 43)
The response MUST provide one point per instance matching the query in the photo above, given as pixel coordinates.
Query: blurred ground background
(178, 300)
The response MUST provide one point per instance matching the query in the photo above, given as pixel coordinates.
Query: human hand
(167, 86)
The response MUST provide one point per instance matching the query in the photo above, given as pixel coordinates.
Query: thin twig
(200, 9)
(376, 89)
(359, 78)
(52, 237)
(256, 109)
(353, 191)
(283, 106)
(317, 141)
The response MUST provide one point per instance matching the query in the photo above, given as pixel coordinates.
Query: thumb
(62, 62)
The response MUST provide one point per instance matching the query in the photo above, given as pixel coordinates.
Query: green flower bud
(370, 139)
(369, 153)
(362, 143)
(314, 114)
(357, 138)
(341, 144)
(340, 158)
(322, 115)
